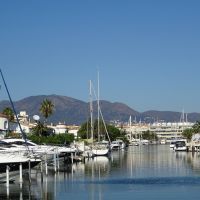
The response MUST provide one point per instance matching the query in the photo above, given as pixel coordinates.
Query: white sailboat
(101, 148)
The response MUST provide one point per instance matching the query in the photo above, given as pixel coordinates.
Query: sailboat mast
(98, 131)
(130, 121)
(13, 107)
(91, 112)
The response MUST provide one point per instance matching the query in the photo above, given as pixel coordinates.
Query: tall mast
(91, 112)
(130, 121)
(98, 131)
(13, 107)
(100, 114)
(182, 116)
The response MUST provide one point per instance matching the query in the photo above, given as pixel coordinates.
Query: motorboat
(21, 144)
(117, 145)
(180, 146)
(14, 159)
(173, 142)
(163, 141)
(144, 142)
(135, 142)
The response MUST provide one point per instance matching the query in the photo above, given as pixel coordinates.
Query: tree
(85, 132)
(52, 139)
(148, 135)
(39, 129)
(9, 113)
(42, 130)
(187, 133)
(114, 132)
(46, 108)
(196, 127)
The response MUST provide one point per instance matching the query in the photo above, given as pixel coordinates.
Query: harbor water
(139, 172)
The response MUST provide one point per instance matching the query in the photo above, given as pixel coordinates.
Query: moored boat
(117, 145)
(14, 159)
(180, 146)
(100, 149)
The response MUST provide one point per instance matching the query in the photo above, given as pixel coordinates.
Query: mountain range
(72, 111)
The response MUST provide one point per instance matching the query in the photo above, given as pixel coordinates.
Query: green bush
(52, 139)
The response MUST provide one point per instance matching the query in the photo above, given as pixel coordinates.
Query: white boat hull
(180, 149)
(100, 152)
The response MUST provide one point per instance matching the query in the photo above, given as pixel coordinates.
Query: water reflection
(124, 172)
(97, 167)
(156, 161)
(190, 160)
(15, 191)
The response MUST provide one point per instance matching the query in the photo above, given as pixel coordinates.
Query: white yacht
(163, 141)
(180, 146)
(22, 145)
(13, 161)
(174, 142)
(117, 145)
(144, 142)
(100, 149)
(42, 150)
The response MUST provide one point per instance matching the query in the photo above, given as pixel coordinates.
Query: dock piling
(41, 170)
(46, 166)
(29, 170)
(7, 175)
(58, 163)
(55, 165)
(20, 173)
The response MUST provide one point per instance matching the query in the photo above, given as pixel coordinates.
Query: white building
(60, 128)
(74, 132)
(170, 130)
(166, 131)
(135, 131)
(14, 126)
(23, 117)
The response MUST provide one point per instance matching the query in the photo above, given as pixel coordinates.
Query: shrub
(52, 139)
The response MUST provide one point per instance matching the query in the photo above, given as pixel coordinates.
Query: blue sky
(147, 51)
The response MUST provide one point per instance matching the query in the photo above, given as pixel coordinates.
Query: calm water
(146, 172)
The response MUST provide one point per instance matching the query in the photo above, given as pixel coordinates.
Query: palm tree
(46, 108)
(42, 130)
(9, 113)
(39, 129)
